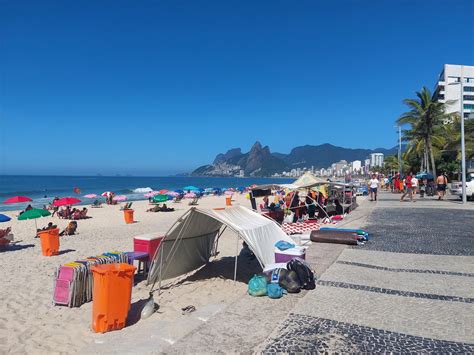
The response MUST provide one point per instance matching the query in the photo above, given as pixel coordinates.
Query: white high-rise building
(376, 159)
(452, 74)
(356, 165)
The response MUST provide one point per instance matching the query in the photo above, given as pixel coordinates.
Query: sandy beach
(30, 323)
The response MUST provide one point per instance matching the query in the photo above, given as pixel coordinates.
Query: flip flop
(188, 309)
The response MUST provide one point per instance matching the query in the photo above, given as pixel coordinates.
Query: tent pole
(236, 257)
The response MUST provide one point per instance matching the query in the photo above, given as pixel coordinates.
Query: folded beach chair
(127, 206)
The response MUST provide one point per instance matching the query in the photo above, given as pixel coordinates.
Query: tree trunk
(427, 162)
(430, 150)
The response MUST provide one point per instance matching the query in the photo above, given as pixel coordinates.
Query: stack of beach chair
(73, 281)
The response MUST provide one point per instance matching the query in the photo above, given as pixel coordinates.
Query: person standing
(414, 186)
(373, 186)
(408, 188)
(442, 182)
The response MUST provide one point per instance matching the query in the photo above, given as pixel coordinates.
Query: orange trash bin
(111, 297)
(128, 216)
(228, 200)
(49, 242)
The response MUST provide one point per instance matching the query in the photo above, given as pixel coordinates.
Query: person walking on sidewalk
(373, 185)
(442, 182)
(414, 185)
(408, 188)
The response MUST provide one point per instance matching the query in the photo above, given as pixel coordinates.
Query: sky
(160, 87)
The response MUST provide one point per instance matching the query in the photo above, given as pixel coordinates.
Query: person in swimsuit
(441, 182)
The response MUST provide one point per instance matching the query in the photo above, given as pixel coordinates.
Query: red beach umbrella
(66, 201)
(17, 199)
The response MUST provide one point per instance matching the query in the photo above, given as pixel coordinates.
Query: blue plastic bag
(282, 245)
(275, 291)
(257, 286)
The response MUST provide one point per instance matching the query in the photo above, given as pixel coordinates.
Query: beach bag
(305, 275)
(290, 282)
(257, 286)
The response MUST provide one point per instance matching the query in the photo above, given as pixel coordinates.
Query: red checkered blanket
(299, 227)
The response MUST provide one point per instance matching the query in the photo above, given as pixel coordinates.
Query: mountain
(259, 161)
(322, 156)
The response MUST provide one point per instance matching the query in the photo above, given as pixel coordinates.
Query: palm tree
(425, 115)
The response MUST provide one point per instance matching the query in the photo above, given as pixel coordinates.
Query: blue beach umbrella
(179, 191)
(427, 176)
(190, 188)
(4, 218)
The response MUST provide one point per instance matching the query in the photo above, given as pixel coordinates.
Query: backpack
(257, 286)
(305, 275)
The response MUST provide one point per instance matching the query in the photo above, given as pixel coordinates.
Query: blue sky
(160, 87)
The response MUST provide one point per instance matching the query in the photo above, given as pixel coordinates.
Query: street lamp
(400, 168)
(463, 150)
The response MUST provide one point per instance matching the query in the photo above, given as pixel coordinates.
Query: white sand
(30, 323)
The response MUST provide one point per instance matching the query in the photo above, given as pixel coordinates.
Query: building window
(440, 96)
(468, 97)
(440, 87)
(469, 107)
(469, 88)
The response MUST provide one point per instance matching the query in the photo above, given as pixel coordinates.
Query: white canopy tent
(193, 239)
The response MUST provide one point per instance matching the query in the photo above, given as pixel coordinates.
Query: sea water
(42, 189)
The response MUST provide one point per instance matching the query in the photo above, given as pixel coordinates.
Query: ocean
(42, 189)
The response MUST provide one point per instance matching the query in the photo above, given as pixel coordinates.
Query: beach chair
(194, 202)
(127, 206)
(178, 198)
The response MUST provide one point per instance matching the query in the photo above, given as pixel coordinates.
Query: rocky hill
(259, 161)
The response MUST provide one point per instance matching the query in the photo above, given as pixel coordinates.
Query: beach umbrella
(241, 188)
(106, 193)
(190, 195)
(179, 191)
(190, 188)
(120, 198)
(90, 196)
(34, 213)
(427, 176)
(17, 199)
(160, 198)
(229, 192)
(4, 218)
(172, 193)
(66, 201)
(162, 192)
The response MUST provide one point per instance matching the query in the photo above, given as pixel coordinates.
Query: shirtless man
(442, 182)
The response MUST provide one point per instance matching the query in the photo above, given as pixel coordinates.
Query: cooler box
(147, 243)
(284, 256)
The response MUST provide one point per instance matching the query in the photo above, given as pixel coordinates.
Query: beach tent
(308, 180)
(193, 239)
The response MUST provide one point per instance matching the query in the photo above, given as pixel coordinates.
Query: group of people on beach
(74, 213)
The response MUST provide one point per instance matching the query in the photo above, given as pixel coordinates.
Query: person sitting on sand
(5, 236)
(166, 208)
(83, 213)
(155, 208)
(70, 229)
(76, 214)
(50, 226)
